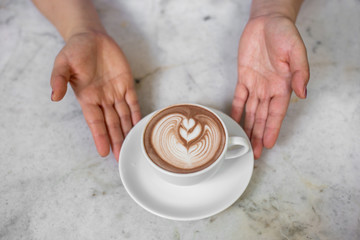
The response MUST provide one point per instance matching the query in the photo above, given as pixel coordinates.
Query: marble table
(55, 186)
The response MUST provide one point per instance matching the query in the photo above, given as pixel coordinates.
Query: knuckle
(239, 100)
(263, 94)
(135, 111)
(99, 134)
(125, 118)
(113, 125)
(279, 115)
(249, 113)
(133, 103)
(107, 104)
(273, 128)
(270, 131)
(95, 122)
(260, 120)
(248, 129)
(256, 137)
(119, 100)
(118, 142)
(107, 101)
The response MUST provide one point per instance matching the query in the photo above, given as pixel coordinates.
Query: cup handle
(236, 141)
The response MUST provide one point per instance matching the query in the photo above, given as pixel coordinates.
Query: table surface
(55, 186)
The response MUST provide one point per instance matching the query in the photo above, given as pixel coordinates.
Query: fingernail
(52, 95)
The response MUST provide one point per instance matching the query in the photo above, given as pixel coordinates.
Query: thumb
(299, 67)
(59, 78)
(299, 83)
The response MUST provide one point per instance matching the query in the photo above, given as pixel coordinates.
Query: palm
(266, 69)
(102, 81)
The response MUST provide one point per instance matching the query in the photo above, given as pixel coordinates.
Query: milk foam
(186, 142)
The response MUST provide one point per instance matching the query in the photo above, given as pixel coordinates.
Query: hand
(272, 62)
(101, 78)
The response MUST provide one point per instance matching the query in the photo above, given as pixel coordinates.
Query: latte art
(184, 138)
(187, 132)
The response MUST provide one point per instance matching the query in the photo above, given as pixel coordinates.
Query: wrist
(272, 15)
(277, 8)
(84, 29)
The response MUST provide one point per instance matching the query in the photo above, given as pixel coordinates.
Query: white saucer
(183, 202)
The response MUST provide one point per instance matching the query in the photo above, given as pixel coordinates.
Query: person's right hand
(100, 76)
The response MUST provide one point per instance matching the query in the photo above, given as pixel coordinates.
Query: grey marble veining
(55, 186)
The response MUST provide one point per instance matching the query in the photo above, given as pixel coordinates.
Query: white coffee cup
(185, 179)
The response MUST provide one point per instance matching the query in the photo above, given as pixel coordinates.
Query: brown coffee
(184, 138)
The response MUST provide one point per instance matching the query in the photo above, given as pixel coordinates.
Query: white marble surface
(55, 186)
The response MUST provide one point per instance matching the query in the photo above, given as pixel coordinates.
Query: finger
(132, 101)
(60, 76)
(259, 127)
(123, 111)
(299, 82)
(114, 130)
(240, 97)
(277, 111)
(299, 67)
(250, 110)
(96, 122)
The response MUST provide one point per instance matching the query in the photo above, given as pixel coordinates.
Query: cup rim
(185, 175)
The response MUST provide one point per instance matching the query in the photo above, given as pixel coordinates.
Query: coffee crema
(184, 138)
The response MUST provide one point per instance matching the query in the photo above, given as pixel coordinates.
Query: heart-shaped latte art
(187, 132)
(188, 123)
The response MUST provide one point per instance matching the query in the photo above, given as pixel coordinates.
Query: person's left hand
(272, 62)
